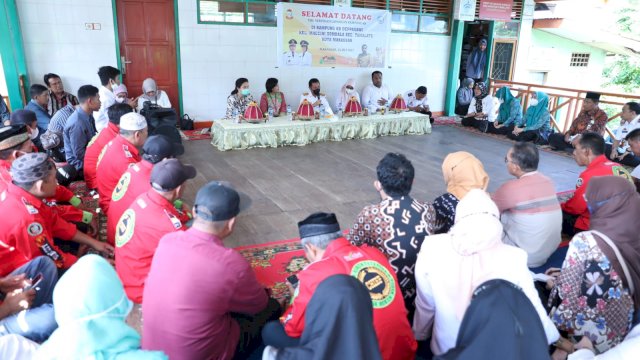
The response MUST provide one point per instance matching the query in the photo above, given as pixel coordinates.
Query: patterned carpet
(89, 203)
(199, 134)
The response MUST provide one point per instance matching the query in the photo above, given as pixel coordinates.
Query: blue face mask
(245, 92)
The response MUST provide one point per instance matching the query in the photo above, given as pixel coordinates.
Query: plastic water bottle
(289, 112)
(236, 117)
(322, 111)
(270, 113)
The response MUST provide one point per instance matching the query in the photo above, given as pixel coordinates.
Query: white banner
(330, 36)
(464, 10)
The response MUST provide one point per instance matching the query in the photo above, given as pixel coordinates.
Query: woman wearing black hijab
(500, 323)
(338, 324)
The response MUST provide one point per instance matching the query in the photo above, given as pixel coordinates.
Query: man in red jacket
(99, 141)
(330, 254)
(149, 217)
(588, 151)
(30, 224)
(119, 154)
(135, 181)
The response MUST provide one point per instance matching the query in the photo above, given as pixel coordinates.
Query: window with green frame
(422, 16)
(250, 12)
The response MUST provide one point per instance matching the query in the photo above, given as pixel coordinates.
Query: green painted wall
(12, 52)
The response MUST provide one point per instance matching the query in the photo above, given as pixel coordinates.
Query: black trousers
(273, 334)
(556, 141)
(251, 327)
(462, 109)
(628, 160)
(529, 135)
(504, 130)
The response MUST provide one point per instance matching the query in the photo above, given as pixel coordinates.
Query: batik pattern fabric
(593, 300)
(445, 209)
(397, 227)
(239, 105)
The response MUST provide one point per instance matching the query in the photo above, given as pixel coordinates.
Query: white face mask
(349, 91)
(34, 133)
(533, 102)
(120, 99)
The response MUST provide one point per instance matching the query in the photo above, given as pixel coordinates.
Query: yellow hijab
(463, 172)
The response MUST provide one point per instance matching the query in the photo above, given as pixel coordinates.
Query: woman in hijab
(273, 98)
(464, 96)
(509, 113)
(338, 324)
(597, 297)
(536, 124)
(121, 93)
(500, 323)
(477, 61)
(462, 172)
(451, 266)
(348, 90)
(480, 112)
(151, 93)
(91, 307)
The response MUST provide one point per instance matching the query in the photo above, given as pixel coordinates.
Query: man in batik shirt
(397, 225)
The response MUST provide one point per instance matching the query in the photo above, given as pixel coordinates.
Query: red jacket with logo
(93, 152)
(148, 218)
(114, 160)
(28, 231)
(577, 205)
(372, 268)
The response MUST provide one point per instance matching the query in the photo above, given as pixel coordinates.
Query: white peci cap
(133, 122)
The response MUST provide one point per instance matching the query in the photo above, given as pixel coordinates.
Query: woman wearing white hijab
(348, 90)
(150, 92)
(450, 266)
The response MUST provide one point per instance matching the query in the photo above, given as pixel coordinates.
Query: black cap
(160, 147)
(319, 223)
(292, 42)
(593, 96)
(22, 117)
(304, 43)
(219, 201)
(170, 173)
(12, 135)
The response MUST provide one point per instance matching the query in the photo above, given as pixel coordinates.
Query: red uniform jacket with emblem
(93, 152)
(28, 231)
(600, 166)
(149, 217)
(372, 268)
(133, 183)
(114, 160)
(63, 195)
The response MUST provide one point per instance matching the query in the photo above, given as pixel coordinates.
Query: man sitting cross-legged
(397, 225)
(529, 209)
(331, 254)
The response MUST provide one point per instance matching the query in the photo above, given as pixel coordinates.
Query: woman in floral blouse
(595, 297)
(239, 99)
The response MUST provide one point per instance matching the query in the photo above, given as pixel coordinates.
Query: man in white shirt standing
(305, 57)
(109, 78)
(290, 57)
(376, 95)
(416, 100)
(316, 98)
(619, 151)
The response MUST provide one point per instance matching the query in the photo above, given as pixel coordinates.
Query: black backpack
(186, 123)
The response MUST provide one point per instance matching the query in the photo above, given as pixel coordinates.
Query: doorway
(474, 31)
(147, 41)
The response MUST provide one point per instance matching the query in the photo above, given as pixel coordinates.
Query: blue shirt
(78, 131)
(60, 118)
(41, 113)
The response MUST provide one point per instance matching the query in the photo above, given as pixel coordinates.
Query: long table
(281, 131)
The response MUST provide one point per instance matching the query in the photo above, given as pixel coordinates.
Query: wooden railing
(564, 103)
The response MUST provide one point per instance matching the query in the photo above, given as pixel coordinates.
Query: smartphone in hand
(34, 282)
(293, 280)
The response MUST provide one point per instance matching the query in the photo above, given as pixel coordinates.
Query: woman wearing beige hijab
(450, 266)
(462, 172)
(347, 91)
(151, 93)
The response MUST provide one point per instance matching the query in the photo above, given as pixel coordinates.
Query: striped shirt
(55, 104)
(59, 120)
(530, 215)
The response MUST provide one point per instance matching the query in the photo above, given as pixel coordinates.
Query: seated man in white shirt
(619, 150)
(316, 98)
(633, 139)
(109, 78)
(416, 100)
(376, 95)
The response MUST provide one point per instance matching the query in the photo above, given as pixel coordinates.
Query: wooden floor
(287, 184)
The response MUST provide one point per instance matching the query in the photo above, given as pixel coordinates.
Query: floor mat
(446, 120)
(90, 203)
(199, 134)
